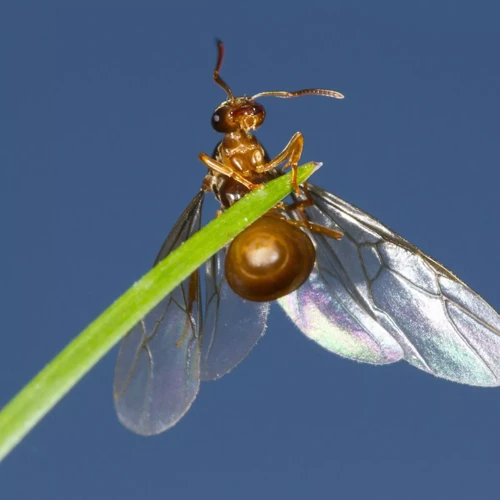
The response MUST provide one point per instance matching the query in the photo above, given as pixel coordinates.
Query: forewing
(333, 314)
(158, 369)
(232, 325)
(442, 326)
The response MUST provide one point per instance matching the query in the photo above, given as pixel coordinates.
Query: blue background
(104, 109)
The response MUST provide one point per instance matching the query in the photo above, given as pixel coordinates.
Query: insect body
(273, 257)
(347, 282)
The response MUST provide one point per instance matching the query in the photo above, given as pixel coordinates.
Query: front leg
(291, 154)
(226, 170)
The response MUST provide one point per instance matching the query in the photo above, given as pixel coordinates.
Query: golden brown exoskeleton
(240, 155)
(273, 257)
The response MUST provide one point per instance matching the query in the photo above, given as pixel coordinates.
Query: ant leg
(291, 154)
(228, 171)
(311, 226)
(298, 204)
(317, 228)
(299, 207)
(193, 286)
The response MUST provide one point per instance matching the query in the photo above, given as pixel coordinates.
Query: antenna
(217, 78)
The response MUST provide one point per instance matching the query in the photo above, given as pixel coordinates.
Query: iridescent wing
(157, 373)
(231, 325)
(163, 358)
(376, 298)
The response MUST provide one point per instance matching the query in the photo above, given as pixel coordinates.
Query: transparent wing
(375, 297)
(158, 368)
(231, 325)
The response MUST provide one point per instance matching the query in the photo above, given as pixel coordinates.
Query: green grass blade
(35, 400)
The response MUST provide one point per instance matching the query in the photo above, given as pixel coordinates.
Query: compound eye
(216, 120)
(221, 120)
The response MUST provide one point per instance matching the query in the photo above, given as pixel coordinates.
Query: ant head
(237, 113)
(244, 113)
(241, 113)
